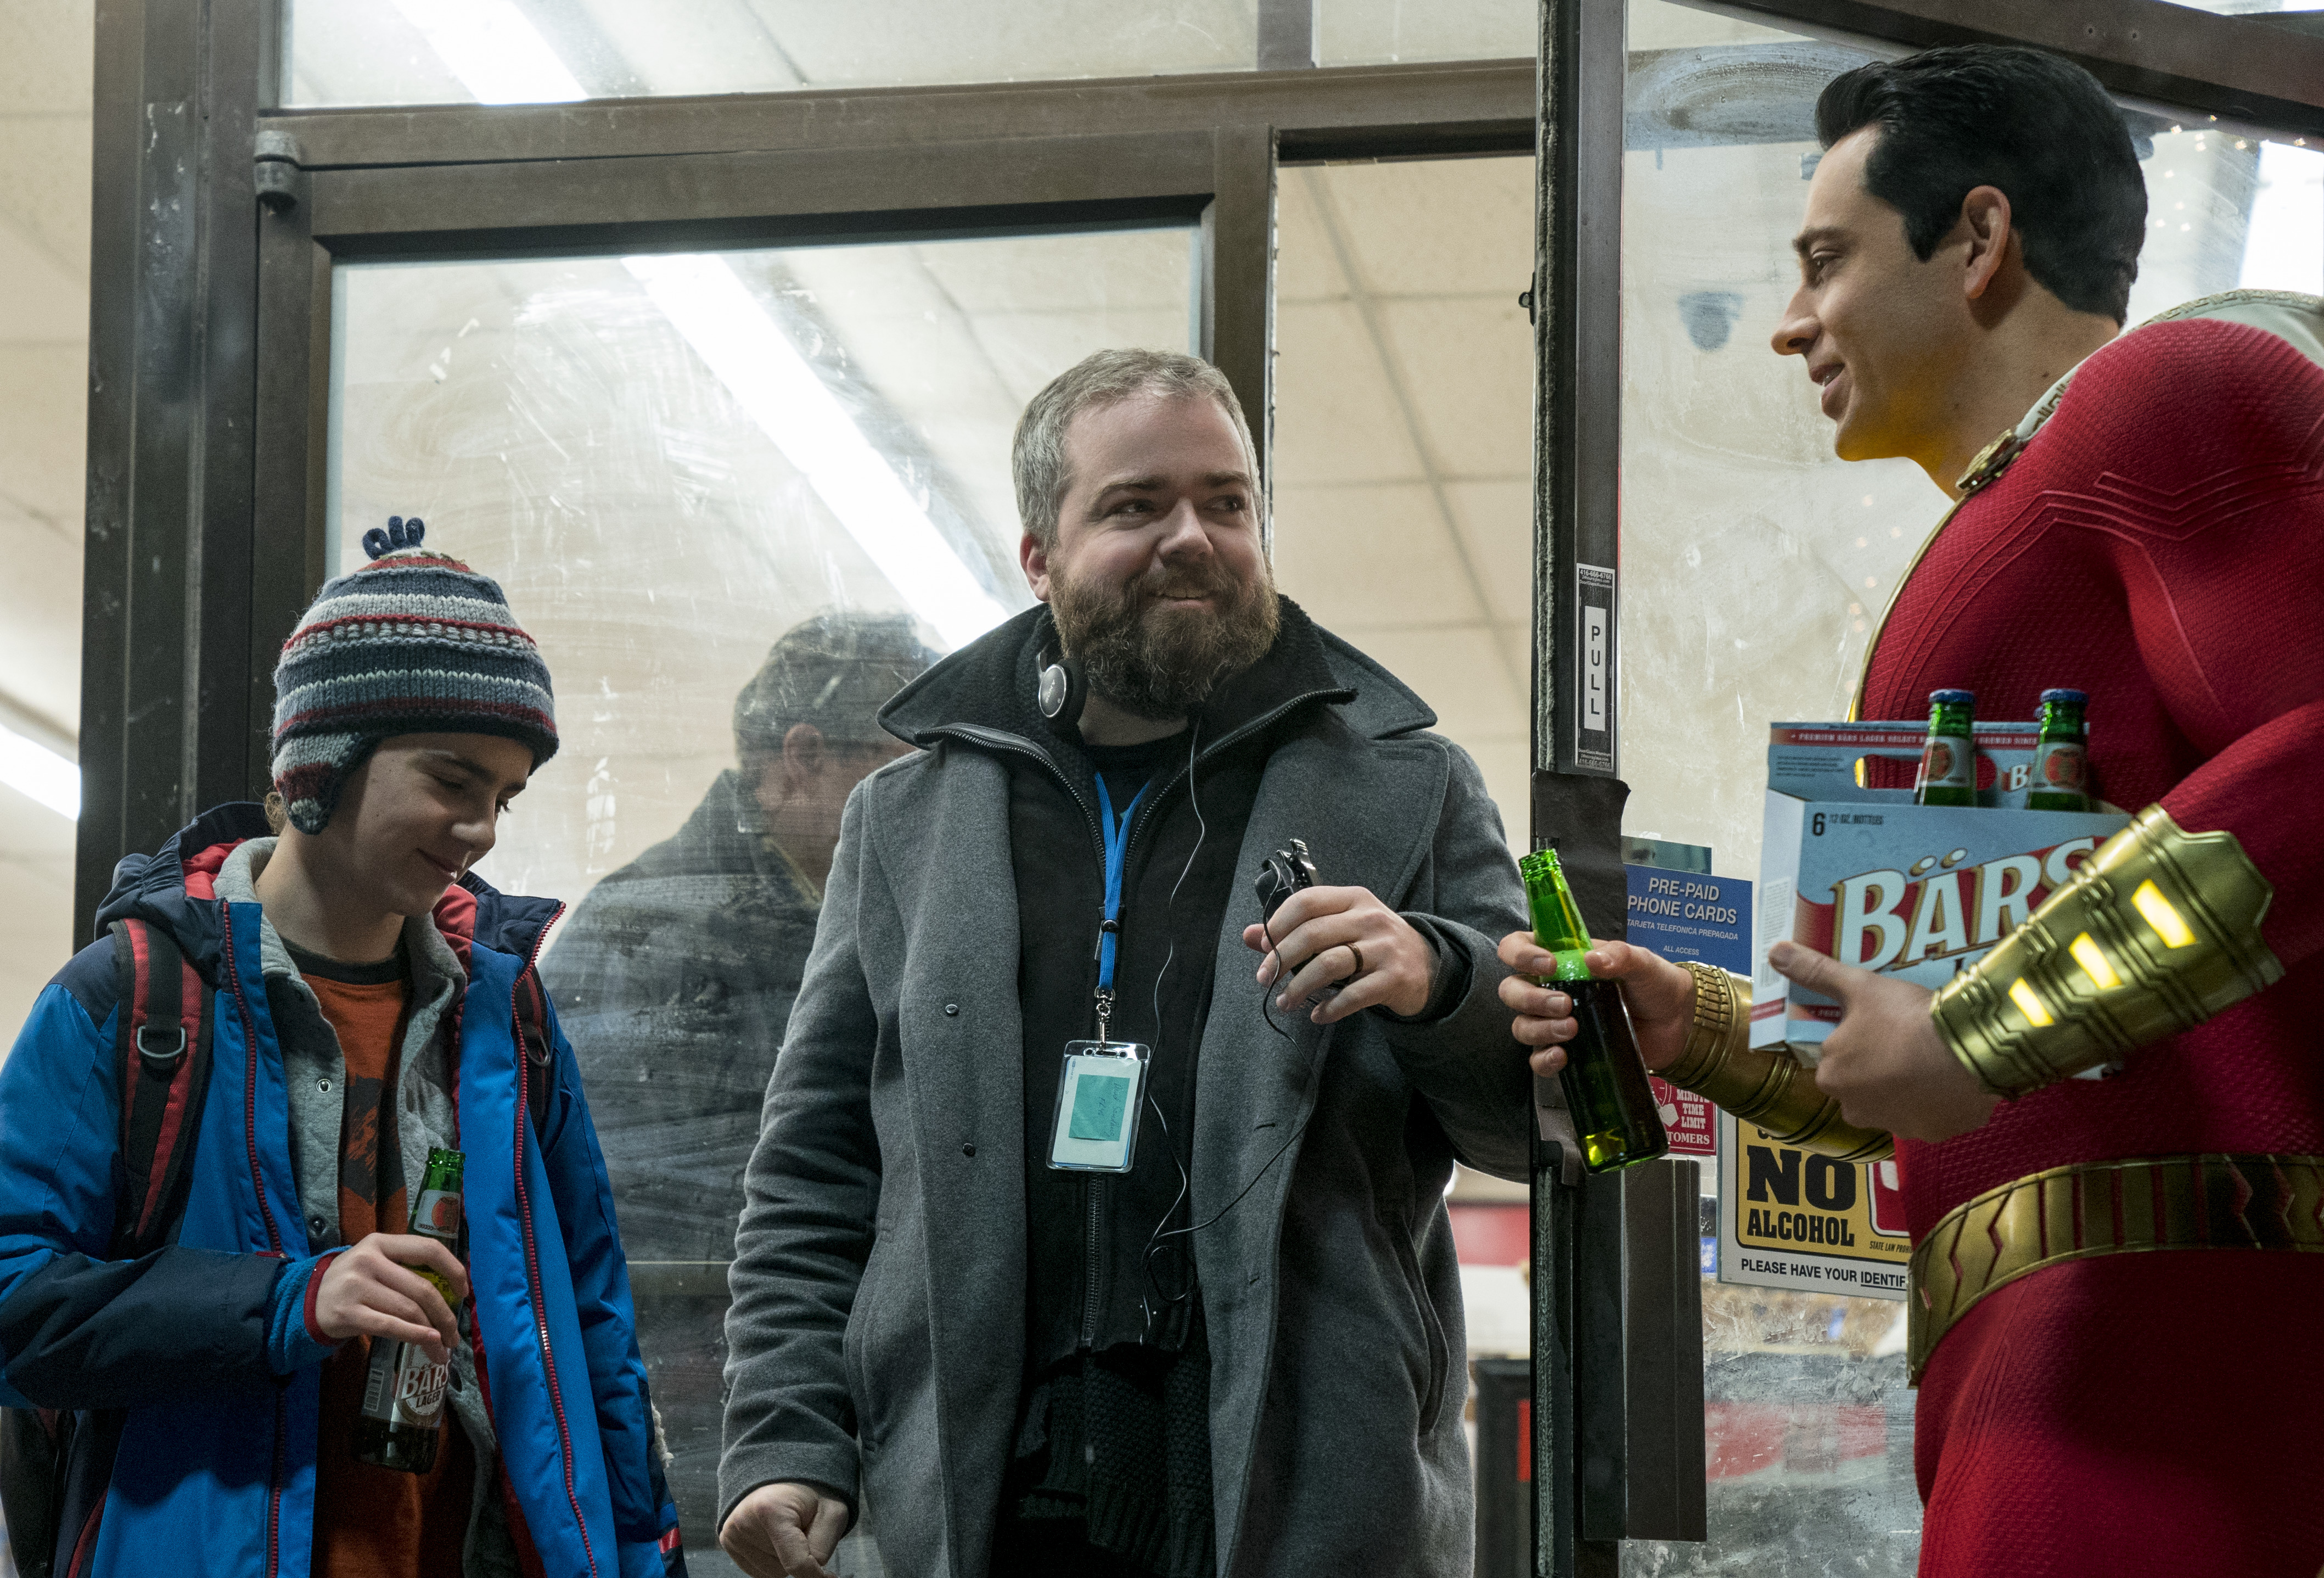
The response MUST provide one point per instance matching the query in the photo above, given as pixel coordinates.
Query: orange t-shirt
(373, 1522)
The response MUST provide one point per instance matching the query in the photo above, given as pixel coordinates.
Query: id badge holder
(1099, 1094)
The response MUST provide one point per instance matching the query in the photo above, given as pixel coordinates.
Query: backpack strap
(164, 1056)
(533, 1041)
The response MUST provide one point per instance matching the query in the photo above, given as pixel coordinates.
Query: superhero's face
(1881, 333)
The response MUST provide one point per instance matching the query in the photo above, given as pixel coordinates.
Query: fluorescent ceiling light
(702, 298)
(493, 50)
(31, 768)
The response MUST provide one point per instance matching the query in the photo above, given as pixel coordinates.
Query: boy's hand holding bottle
(396, 1285)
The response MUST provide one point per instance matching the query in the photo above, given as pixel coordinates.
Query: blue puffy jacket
(195, 1453)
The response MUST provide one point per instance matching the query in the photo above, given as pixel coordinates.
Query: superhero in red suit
(2118, 1281)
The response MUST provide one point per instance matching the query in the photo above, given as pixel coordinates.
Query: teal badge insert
(1099, 1101)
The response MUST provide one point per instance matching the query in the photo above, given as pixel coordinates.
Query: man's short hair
(837, 672)
(1100, 379)
(2038, 128)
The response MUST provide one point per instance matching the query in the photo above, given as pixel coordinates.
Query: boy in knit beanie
(355, 1001)
(411, 644)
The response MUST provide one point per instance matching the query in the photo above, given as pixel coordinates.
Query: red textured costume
(2160, 544)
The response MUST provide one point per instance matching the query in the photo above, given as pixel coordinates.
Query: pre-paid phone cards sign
(1682, 916)
(1789, 1218)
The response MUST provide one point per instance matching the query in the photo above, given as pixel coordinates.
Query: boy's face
(417, 814)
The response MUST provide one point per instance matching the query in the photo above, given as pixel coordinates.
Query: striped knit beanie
(413, 643)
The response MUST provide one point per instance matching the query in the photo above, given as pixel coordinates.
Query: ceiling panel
(36, 920)
(1494, 520)
(1336, 415)
(1377, 554)
(1306, 268)
(362, 51)
(1459, 670)
(1363, 32)
(1402, 416)
(1109, 271)
(44, 196)
(1436, 226)
(1469, 367)
(48, 57)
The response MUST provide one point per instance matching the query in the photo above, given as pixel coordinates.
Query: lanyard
(1109, 935)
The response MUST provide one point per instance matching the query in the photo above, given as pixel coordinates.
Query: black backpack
(163, 1053)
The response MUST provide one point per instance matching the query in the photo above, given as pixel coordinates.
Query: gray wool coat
(877, 1335)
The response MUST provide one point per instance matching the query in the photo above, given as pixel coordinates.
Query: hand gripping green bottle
(403, 1417)
(1604, 1078)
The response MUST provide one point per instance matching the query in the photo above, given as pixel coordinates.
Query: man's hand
(1885, 1062)
(784, 1531)
(1319, 933)
(367, 1290)
(1661, 996)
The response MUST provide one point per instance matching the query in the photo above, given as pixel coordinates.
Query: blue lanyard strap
(1117, 847)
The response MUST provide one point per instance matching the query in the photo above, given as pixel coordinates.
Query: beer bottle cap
(2072, 698)
(1952, 697)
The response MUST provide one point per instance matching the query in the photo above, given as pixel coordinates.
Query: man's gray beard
(1161, 664)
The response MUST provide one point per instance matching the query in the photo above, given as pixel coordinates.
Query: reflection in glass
(738, 500)
(674, 980)
(501, 51)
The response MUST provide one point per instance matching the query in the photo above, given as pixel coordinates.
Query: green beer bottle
(1949, 759)
(2061, 762)
(402, 1415)
(1604, 1079)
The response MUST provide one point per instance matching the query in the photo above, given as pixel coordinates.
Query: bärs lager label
(402, 1417)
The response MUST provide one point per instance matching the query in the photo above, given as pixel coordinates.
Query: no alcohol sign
(1789, 1218)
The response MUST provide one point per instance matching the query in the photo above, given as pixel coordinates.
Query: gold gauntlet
(2158, 931)
(1764, 1086)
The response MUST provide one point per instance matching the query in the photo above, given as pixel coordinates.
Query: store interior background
(564, 434)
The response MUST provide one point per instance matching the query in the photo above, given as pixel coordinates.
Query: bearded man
(1187, 1308)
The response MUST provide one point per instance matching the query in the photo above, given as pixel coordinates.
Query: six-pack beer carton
(1866, 876)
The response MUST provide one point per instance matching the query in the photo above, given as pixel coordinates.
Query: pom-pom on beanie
(414, 642)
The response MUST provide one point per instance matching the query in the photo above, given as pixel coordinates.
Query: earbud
(1064, 689)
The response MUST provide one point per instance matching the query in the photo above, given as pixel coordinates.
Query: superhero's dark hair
(2038, 128)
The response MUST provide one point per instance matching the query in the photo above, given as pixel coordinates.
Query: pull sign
(1593, 669)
